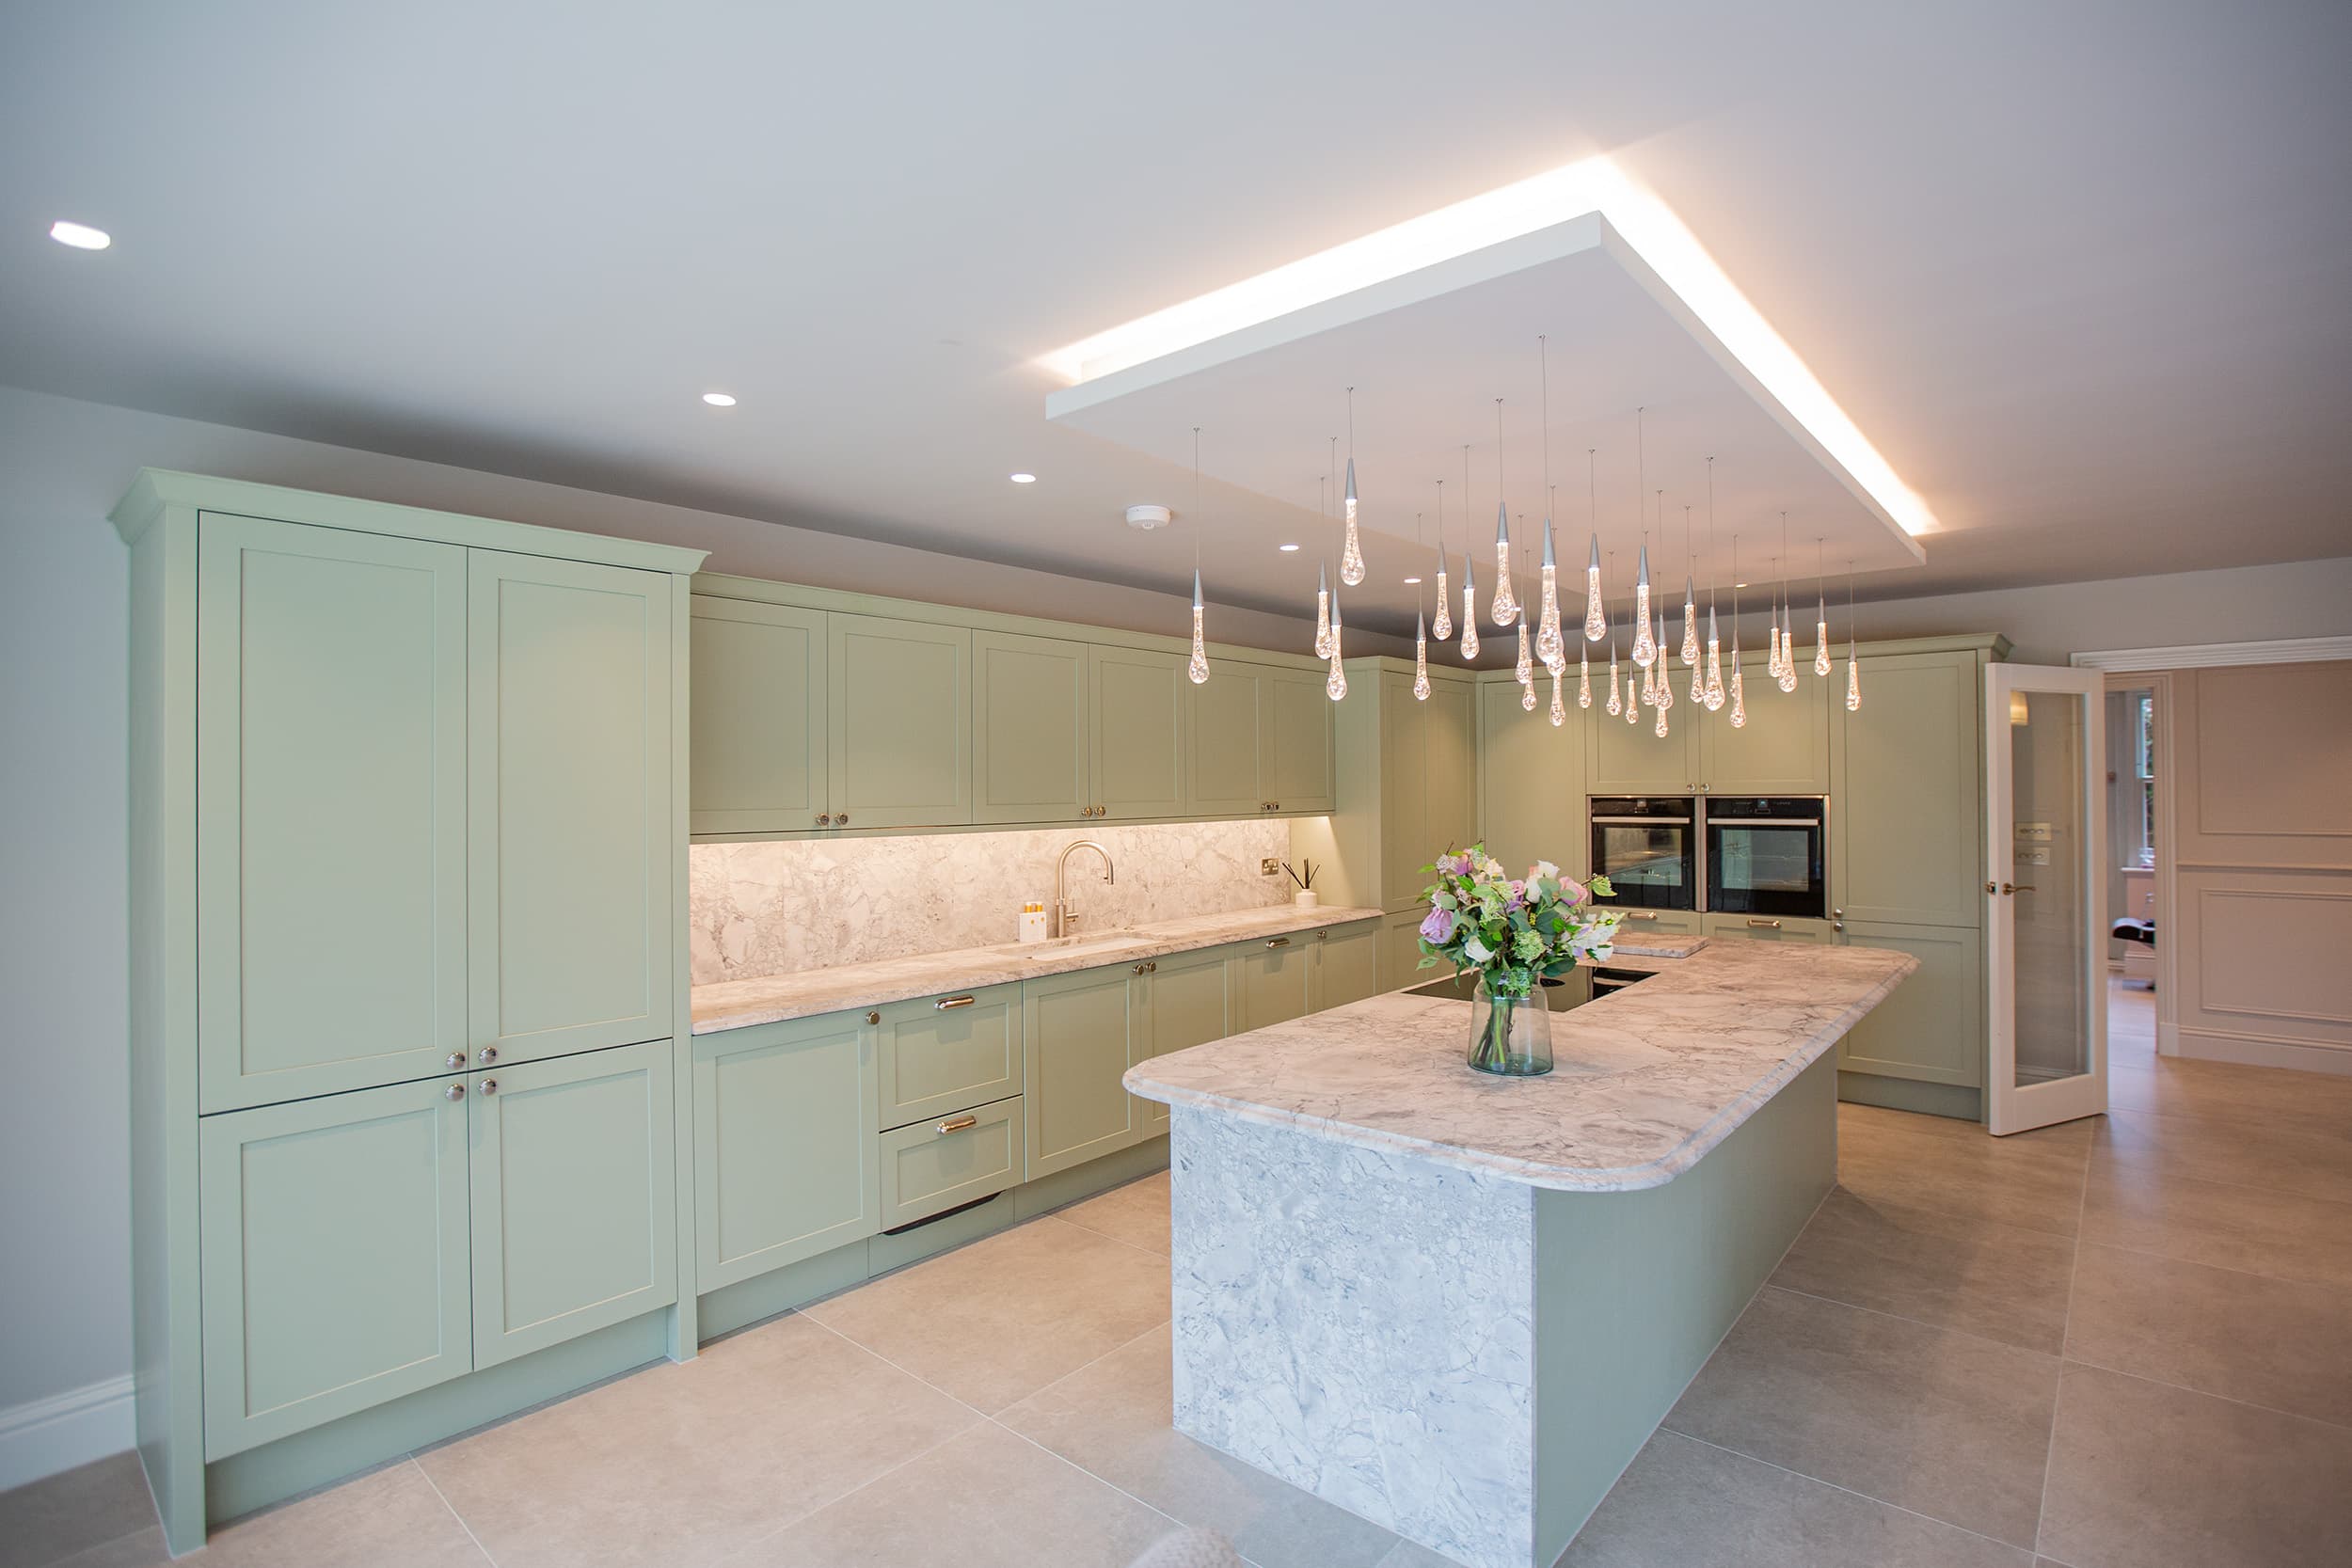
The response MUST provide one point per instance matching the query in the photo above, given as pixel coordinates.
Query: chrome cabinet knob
(485, 1056)
(456, 1091)
(489, 1086)
(1837, 924)
(457, 1059)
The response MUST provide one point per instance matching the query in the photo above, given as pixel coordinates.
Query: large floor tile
(1136, 1214)
(74, 1511)
(681, 1464)
(996, 1321)
(1938, 1422)
(2310, 1163)
(140, 1549)
(2255, 1229)
(1112, 1417)
(2267, 1099)
(2074, 1134)
(1997, 1280)
(2146, 1476)
(391, 1518)
(2276, 1342)
(986, 1500)
(1684, 1504)
(1966, 1173)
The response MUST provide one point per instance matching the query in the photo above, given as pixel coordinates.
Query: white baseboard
(2261, 1051)
(42, 1438)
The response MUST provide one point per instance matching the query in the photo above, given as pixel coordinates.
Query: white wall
(64, 1309)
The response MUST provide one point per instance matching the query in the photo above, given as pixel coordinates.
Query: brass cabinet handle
(1149, 966)
(956, 1124)
(1766, 925)
(1641, 914)
(824, 819)
(873, 1018)
(1837, 924)
(487, 1054)
(948, 1004)
(456, 1091)
(1280, 942)
(1277, 805)
(841, 819)
(489, 1086)
(457, 1059)
(1838, 914)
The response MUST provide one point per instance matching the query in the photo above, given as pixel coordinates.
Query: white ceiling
(2079, 272)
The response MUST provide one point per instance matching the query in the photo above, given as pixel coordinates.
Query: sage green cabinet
(571, 838)
(1532, 783)
(1399, 943)
(945, 1054)
(759, 732)
(1231, 762)
(1140, 735)
(1298, 744)
(1680, 923)
(1907, 836)
(1347, 965)
(1782, 750)
(329, 808)
(1078, 1033)
(1271, 978)
(935, 1166)
(334, 1258)
(1767, 927)
(1930, 1027)
(897, 717)
(1623, 758)
(785, 1164)
(1032, 744)
(1428, 780)
(1186, 1000)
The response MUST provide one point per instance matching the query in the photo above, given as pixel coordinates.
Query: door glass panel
(2047, 862)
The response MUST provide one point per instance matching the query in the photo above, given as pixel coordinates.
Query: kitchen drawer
(937, 1165)
(1769, 927)
(1682, 923)
(948, 1053)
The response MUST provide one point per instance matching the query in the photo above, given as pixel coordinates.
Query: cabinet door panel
(334, 1258)
(1273, 980)
(1531, 783)
(784, 1159)
(1075, 1031)
(1400, 951)
(1784, 746)
(1232, 731)
(937, 1166)
(575, 1177)
(1450, 798)
(759, 731)
(1187, 1002)
(570, 822)
(897, 714)
(1761, 927)
(1297, 742)
(1405, 814)
(1029, 729)
(1631, 759)
(1931, 1027)
(945, 1054)
(330, 807)
(1140, 733)
(1347, 965)
(1907, 811)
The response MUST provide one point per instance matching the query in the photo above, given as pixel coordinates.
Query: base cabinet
(1076, 1030)
(933, 1166)
(1270, 980)
(1676, 923)
(1931, 1028)
(1766, 927)
(785, 1164)
(941, 1054)
(1186, 1002)
(1347, 965)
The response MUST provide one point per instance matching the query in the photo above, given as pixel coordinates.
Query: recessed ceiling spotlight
(720, 400)
(81, 236)
(1288, 549)
(1024, 479)
(1739, 585)
(1410, 581)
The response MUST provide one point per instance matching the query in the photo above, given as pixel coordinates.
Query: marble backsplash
(785, 906)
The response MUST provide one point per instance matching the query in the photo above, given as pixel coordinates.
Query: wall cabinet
(785, 1164)
(898, 722)
(1078, 1030)
(1782, 750)
(1032, 740)
(1931, 1027)
(1623, 758)
(1299, 777)
(1261, 741)
(1141, 733)
(1532, 783)
(1428, 758)
(758, 716)
(1907, 843)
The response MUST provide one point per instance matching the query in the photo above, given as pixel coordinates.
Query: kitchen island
(1458, 1305)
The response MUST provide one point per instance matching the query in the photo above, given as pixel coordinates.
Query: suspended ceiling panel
(1429, 351)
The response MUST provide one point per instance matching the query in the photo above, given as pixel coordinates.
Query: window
(2144, 772)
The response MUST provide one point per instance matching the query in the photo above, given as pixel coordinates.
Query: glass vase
(1510, 1026)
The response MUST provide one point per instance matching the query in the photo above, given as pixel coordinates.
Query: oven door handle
(1726, 824)
(1643, 821)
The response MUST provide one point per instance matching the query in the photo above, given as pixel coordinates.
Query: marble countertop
(739, 1004)
(1648, 1079)
(1655, 945)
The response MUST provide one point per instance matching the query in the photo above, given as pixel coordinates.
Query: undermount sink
(1083, 942)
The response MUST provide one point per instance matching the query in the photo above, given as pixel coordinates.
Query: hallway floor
(2121, 1343)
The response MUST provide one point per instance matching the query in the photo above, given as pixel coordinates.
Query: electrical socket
(1269, 869)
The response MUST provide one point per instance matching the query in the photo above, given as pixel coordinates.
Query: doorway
(2133, 814)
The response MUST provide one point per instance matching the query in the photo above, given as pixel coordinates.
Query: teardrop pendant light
(1197, 667)
(1645, 646)
(1547, 645)
(1443, 627)
(1615, 707)
(1335, 684)
(1559, 708)
(1787, 617)
(1665, 671)
(1691, 612)
(1714, 649)
(1738, 695)
(1584, 676)
(1421, 633)
(1352, 553)
(1595, 614)
(1820, 626)
(1853, 663)
(1323, 582)
(1505, 609)
(1469, 574)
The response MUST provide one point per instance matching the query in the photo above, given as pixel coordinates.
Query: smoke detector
(1148, 518)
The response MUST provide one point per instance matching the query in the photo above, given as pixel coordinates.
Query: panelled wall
(2262, 834)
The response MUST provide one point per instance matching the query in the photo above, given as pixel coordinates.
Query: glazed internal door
(334, 1258)
(758, 734)
(1029, 729)
(330, 810)
(571, 830)
(1139, 735)
(574, 1177)
(2046, 950)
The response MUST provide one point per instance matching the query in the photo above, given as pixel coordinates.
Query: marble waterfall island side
(1458, 1305)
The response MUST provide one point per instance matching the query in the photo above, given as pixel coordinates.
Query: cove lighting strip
(1590, 187)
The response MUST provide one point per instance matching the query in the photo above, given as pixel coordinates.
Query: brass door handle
(2025, 887)
(1765, 925)
(1280, 942)
(948, 1004)
(956, 1124)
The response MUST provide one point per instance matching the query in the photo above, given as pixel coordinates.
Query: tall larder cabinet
(407, 987)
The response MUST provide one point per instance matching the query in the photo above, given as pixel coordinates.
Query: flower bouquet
(1516, 932)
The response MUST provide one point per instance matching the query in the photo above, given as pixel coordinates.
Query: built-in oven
(1648, 848)
(1764, 855)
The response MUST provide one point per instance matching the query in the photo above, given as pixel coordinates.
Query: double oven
(1753, 855)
